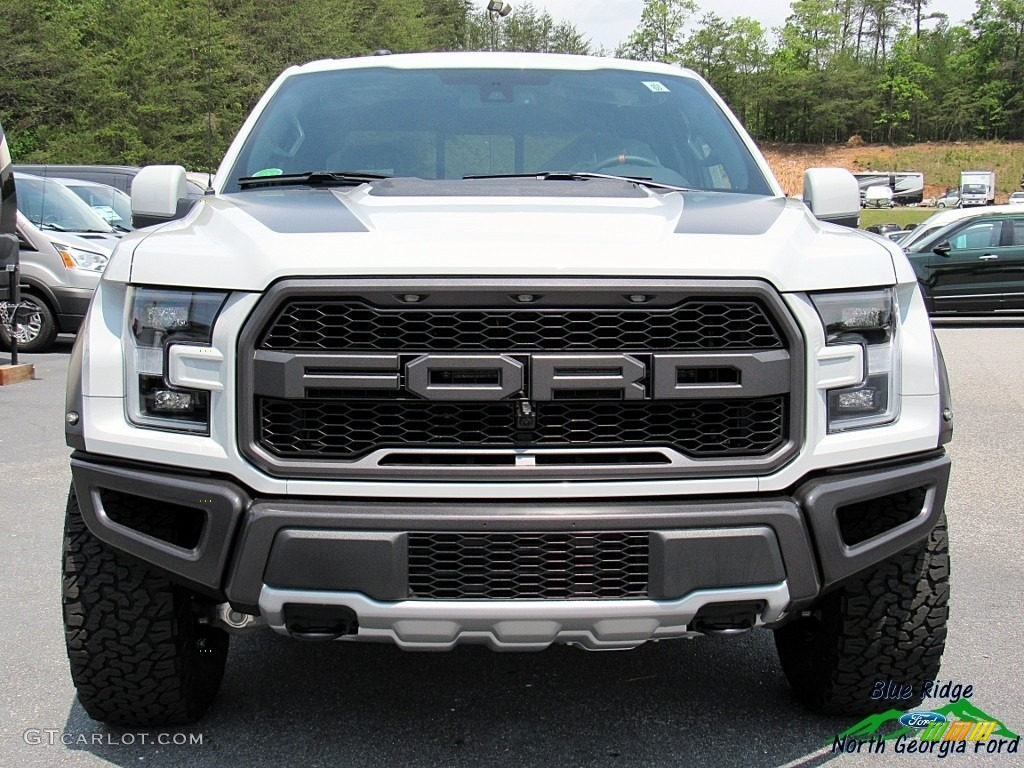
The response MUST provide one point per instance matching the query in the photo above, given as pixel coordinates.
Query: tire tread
(138, 655)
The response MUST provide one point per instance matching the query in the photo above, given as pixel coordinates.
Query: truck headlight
(871, 319)
(157, 319)
(76, 258)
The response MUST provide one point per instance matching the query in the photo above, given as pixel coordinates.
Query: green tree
(660, 35)
(811, 34)
(446, 22)
(526, 29)
(902, 90)
(997, 68)
(747, 50)
(707, 51)
(40, 77)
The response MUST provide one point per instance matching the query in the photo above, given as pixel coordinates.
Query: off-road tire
(888, 624)
(43, 325)
(139, 654)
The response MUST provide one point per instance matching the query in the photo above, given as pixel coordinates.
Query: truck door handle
(988, 257)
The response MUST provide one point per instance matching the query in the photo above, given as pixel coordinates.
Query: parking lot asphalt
(707, 702)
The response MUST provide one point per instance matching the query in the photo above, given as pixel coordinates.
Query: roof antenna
(209, 99)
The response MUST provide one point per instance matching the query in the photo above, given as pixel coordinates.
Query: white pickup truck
(507, 349)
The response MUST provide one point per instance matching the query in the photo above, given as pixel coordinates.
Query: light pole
(496, 9)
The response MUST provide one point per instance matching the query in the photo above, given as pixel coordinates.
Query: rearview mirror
(942, 249)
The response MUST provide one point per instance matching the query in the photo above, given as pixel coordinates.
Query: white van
(64, 246)
(878, 196)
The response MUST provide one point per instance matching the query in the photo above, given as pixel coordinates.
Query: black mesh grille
(539, 566)
(354, 326)
(347, 429)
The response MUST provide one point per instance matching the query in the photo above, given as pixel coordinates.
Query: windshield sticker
(268, 172)
(655, 86)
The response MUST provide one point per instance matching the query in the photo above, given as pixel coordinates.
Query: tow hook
(236, 622)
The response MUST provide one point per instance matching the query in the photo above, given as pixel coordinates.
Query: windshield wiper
(51, 226)
(319, 178)
(580, 176)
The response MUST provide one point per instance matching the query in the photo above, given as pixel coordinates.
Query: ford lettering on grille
(538, 377)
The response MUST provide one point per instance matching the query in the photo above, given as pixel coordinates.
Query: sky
(609, 22)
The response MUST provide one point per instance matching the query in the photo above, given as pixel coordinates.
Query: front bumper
(771, 553)
(71, 305)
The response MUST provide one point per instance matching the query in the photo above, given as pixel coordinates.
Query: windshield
(52, 206)
(974, 189)
(912, 242)
(113, 205)
(453, 123)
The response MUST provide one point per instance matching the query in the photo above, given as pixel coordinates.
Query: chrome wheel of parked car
(36, 327)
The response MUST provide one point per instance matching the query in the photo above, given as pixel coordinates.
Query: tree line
(142, 81)
(885, 70)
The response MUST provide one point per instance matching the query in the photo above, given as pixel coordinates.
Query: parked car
(64, 245)
(973, 265)
(897, 235)
(950, 200)
(883, 229)
(109, 202)
(1016, 198)
(942, 219)
(118, 176)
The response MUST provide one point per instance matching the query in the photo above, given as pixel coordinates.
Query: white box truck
(977, 188)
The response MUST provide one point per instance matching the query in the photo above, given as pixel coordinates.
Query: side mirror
(833, 195)
(159, 195)
(942, 249)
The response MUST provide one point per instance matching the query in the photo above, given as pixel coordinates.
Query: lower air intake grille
(528, 566)
(867, 519)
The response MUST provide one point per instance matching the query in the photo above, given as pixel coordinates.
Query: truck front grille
(380, 379)
(528, 566)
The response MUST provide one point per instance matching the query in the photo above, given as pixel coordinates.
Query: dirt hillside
(941, 163)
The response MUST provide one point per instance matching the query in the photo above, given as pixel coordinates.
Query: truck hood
(247, 240)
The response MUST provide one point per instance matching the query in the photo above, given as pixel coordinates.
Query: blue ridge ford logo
(921, 719)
